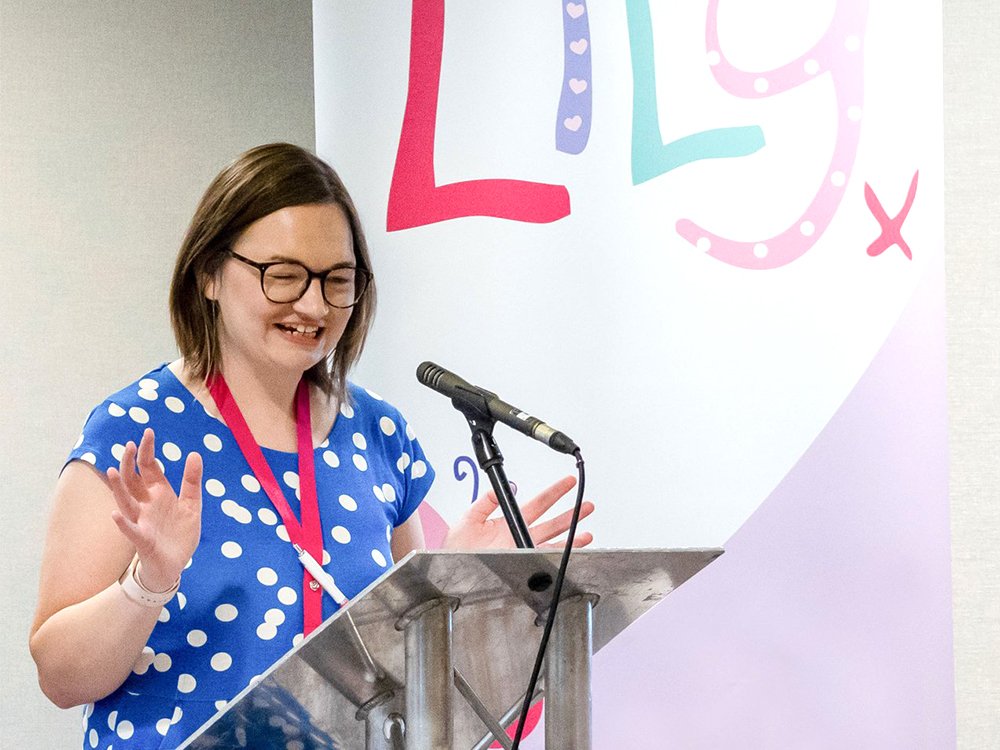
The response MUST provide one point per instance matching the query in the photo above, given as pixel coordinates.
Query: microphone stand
(473, 406)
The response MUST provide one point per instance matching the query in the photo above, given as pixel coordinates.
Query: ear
(210, 287)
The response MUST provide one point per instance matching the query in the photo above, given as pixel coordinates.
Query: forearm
(85, 651)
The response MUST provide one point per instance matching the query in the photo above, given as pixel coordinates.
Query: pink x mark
(890, 227)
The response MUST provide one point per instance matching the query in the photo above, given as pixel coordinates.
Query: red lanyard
(308, 535)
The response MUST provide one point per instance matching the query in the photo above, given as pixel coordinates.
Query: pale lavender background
(827, 623)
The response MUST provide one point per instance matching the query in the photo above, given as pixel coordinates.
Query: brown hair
(260, 182)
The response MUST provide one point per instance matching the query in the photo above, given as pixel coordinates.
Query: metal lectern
(437, 653)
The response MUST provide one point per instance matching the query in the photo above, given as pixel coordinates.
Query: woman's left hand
(476, 530)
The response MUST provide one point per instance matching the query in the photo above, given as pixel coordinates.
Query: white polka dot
(387, 425)
(164, 615)
(212, 442)
(112, 720)
(198, 638)
(388, 534)
(115, 410)
(88, 711)
(79, 442)
(287, 595)
(162, 662)
(409, 433)
(188, 563)
(325, 443)
(147, 393)
(186, 683)
(348, 503)
(298, 639)
(219, 705)
(181, 600)
(390, 492)
(360, 463)
(291, 479)
(294, 744)
(331, 459)
(232, 550)
(221, 661)
(760, 250)
(215, 488)
(236, 511)
(226, 613)
(811, 67)
(704, 244)
(118, 450)
(373, 395)
(378, 493)
(274, 616)
(807, 228)
(92, 737)
(761, 85)
(171, 452)
(159, 463)
(347, 411)
(359, 441)
(178, 713)
(378, 557)
(125, 730)
(267, 576)
(174, 404)
(145, 660)
(282, 533)
(268, 516)
(138, 415)
(266, 632)
(403, 462)
(250, 483)
(852, 43)
(418, 470)
(713, 57)
(90, 458)
(163, 726)
(340, 534)
(854, 113)
(838, 178)
(149, 384)
(326, 557)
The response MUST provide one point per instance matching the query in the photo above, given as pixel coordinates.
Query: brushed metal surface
(310, 698)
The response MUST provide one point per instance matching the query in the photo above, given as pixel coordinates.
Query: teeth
(301, 329)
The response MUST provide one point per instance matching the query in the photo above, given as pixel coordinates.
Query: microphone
(465, 396)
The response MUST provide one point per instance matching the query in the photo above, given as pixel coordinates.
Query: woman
(173, 568)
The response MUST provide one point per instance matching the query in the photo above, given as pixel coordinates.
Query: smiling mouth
(306, 332)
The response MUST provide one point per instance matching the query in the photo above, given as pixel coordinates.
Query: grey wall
(114, 116)
(972, 237)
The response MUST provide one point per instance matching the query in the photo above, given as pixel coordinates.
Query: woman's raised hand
(476, 530)
(164, 527)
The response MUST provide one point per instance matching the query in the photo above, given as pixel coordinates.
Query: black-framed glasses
(285, 281)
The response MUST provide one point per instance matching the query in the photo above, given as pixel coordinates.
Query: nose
(311, 303)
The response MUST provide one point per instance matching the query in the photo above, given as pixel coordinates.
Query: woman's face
(285, 338)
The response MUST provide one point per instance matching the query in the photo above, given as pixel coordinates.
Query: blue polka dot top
(239, 606)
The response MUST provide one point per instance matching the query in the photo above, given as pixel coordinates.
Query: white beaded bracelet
(133, 588)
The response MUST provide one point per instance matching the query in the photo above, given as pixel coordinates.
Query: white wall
(113, 118)
(972, 239)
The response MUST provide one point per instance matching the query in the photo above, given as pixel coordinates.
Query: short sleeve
(105, 433)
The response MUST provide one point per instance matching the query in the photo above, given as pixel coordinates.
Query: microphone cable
(556, 593)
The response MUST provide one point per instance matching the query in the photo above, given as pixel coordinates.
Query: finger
(190, 493)
(580, 540)
(483, 507)
(127, 505)
(536, 507)
(146, 457)
(128, 528)
(542, 532)
(126, 467)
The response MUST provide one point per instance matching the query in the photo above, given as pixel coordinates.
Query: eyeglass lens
(287, 282)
